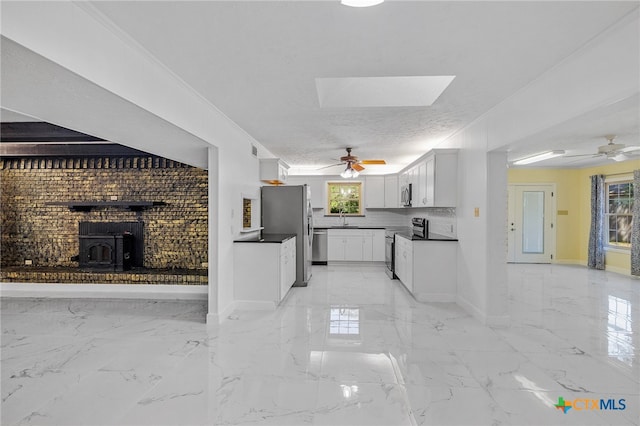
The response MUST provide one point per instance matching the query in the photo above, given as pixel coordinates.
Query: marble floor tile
(352, 348)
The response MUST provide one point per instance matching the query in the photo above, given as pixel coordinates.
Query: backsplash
(442, 220)
(378, 217)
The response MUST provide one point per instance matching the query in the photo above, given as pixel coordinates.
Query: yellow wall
(573, 194)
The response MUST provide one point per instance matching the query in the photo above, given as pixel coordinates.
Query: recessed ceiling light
(381, 91)
(361, 3)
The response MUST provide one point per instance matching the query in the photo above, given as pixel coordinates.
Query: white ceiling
(258, 63)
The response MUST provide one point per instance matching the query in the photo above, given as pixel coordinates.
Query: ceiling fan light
(361, 3)
(619, 157)
(349, 172)
(539, 157)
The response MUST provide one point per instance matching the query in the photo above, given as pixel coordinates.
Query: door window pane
(533, 222)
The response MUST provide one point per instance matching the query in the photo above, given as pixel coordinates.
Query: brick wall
(175, 234)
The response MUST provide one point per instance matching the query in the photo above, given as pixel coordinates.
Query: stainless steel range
(389, 252)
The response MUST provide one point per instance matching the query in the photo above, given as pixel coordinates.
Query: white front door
(531, 232)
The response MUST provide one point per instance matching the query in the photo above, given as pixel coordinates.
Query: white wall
(65, 64)
(588, 79)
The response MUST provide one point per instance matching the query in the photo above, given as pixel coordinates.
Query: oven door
(389, 255)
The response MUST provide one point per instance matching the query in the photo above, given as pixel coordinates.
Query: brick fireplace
(93, 215)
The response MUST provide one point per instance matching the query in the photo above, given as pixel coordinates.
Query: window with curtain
(344, 198)
(619, 212)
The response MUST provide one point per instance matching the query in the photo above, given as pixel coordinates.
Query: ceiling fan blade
(333, 165)
(630, 148)
(372, 162)
(357, 167)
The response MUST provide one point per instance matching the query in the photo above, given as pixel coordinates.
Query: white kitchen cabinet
(391, 192)
(434, 179)
(367, 246)
(404, 261)
(287, 266)
(336, 247)
(427, 268)
(355, 245)
(374, 190)
(440, 179)
(420, 187)
(378, 245)
(318, 192)
(273, 171)
(318, 187)
(263, 272)
(353, 248)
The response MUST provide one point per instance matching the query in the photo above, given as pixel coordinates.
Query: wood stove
(107, 252)
(110, 246)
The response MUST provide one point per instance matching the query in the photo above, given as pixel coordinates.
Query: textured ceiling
(258, 63)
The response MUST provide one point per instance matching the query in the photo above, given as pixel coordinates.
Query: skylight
(381, 91)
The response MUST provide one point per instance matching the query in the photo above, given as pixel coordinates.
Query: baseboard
(213, 320)
(622, 271)
(223, 315)
(570, 262)
(608, 268)
(435, 297)
(470, 308)
(105, 291)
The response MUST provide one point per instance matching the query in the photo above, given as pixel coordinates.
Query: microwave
(405, 195)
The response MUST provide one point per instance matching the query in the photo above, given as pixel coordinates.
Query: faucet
(343, 217)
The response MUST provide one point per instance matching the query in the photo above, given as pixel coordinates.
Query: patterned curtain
(596, 235)
(635, 228)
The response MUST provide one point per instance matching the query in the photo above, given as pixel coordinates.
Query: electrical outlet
(28, 262)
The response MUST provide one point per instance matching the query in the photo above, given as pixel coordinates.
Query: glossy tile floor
(353, 348)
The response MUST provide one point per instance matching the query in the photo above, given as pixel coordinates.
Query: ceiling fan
(354, 166)
(614, 151)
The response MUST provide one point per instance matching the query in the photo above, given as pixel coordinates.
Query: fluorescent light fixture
(361, 3)
(539, 157)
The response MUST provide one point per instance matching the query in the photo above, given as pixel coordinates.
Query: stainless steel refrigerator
(287, 210)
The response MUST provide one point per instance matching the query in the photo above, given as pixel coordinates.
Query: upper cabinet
(391, 193)
(273, 171)
(435, 179)
(374, 192)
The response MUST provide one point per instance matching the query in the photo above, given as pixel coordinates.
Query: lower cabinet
(428, 269)
(355, 245)
(263, 272)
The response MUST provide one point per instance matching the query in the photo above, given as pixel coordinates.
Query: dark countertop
(267, 238)
(430, 237)
(349, 227)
